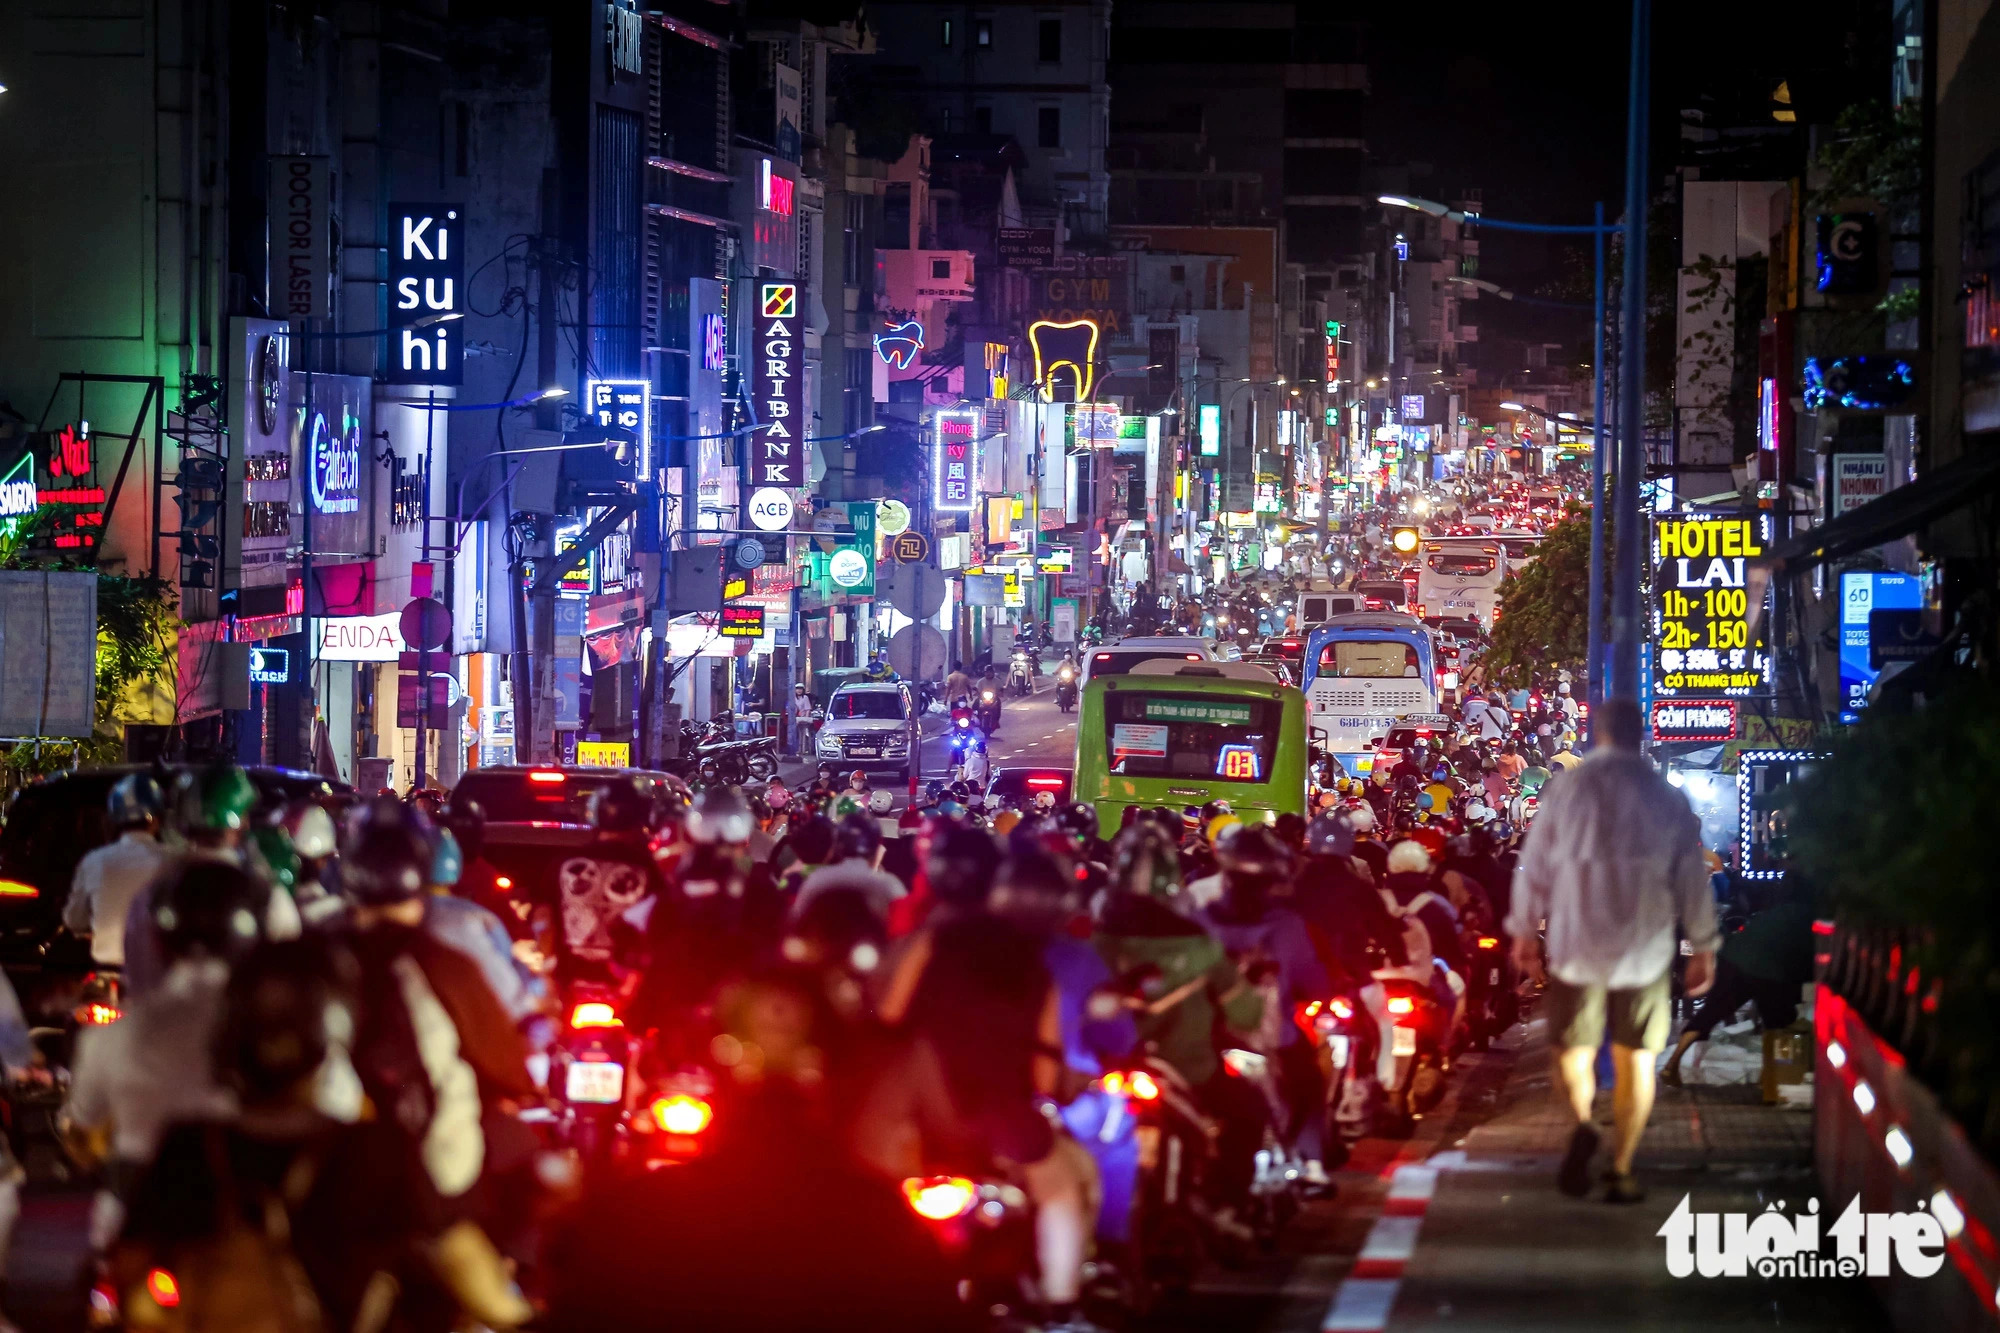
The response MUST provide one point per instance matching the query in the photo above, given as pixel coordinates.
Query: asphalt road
(1032, 731)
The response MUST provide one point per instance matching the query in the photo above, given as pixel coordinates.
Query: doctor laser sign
(1702, 604)
(777, 452)
(426, 281)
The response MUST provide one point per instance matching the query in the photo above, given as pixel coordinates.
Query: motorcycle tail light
(163, 1288)
(1138, 1085)
(502, 883)
(682, 1114)
(1401, 1005)
(940, 1198)
(98, 1015)
(1488, 942)
(14, 888)
(1340, 1007)
(595, 1014)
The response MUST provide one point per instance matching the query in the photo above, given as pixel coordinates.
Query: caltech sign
(334, 465)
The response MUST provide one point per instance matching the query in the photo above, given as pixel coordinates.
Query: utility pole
(1625, 622)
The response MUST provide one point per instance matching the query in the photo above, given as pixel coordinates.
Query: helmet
(777, 796)
(857, 835)
(1362, 817)
(1330, 834)
(858, 778)
(1214, 829)
(881, 801)
(961, 866)
(1146, 861)
(1045, 801)
(215, 799)
(206, 906)
(623, 806)
(1563, 688)
(312, 832)
(447, 862)
(288, 1008)
(389, 854)
(134, 799)
(719, 815)
(811, 839)
(1253, 849)
(1078, 819)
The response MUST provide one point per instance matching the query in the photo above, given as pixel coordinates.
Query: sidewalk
(1500, 1248)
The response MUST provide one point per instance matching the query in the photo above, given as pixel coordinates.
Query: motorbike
(985, 1225)
(1490, 1005)
(1021, 673)
(1347, 1034)
(1066, 687)
(986, 711)
(34, 1100)
(591, 1075)
(1420, 1047)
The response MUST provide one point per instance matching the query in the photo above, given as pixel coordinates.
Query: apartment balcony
(913, 278)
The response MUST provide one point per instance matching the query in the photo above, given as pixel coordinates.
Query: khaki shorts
(1640, 1016)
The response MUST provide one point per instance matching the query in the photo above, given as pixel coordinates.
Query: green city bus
(1181, 734)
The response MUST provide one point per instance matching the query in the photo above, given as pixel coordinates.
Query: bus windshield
(1206, 736)
(1378, 658)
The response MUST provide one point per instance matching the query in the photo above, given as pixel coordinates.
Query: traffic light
(1404, 540)
(200, 483)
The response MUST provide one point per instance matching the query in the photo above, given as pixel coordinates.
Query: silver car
(868, 726)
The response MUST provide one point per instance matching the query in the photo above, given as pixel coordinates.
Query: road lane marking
(1365, 1299)
(1362, 1306)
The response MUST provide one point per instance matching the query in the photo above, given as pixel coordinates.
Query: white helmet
(312, 833)
(880, 800)
(1362, 818)
(1563, 688)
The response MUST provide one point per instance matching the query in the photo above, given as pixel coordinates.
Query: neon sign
(775, 193)
(900, 345)
(626, 405)
(1239, 762)
(1210, 429)
(1067, 348)
(18, 500)
(336, 466)
(714, 342)
(953, 467)
(72, 467)
(427, 283)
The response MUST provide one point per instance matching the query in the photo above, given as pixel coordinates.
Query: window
(1379, 660)
(982, 34)
(1177, 273)
(1205, 736)
(1048, 124)
(855, 220)
(944, 33)
(1051, 42)
(878, 705)
(944, 120)
(1475, 565)
(982, 120)
(941, 268)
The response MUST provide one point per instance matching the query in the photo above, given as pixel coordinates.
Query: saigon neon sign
(1064, 347)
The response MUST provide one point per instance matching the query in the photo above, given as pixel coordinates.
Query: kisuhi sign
(426, 281)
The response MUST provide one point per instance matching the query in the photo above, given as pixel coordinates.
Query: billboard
(776, 451)
(1862, 593)
(426, 295)
(1703, 608)
(954, 461)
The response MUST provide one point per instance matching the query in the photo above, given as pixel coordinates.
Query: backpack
(1416, 935)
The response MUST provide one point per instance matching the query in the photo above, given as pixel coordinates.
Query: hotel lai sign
(1705, 601)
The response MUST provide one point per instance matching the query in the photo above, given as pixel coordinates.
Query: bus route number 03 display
(1702, 639)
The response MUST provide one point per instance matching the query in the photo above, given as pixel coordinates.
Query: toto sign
(770, 509)
(335, 467)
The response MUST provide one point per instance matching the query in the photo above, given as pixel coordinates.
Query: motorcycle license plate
(600, 1082)
(1493, 976)
(1405, 1042)
(1337, 1045)
(1148, 1139)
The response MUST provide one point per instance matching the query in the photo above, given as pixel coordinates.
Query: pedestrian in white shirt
(1614, 863)
(110, 877)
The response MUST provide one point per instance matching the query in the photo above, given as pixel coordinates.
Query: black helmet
(622, 806)
(134, 800)
(961, 866)
(390, 850)
(858, 835)
(1330, 834)
(1078, 819)
(812, 838)
(211, 907)
(1146, 860)
(1255, 850)
(290, 1004)
(720, 816)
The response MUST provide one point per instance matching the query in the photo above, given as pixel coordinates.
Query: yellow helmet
(1217, 825)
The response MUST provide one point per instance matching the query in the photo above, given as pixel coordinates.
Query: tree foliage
(1545, 610)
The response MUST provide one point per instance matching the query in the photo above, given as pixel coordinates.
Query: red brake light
(1341, 1008)
(682, 1114)
(1138, 1085)
(161, 1286)
(1045, 782)
(1193, 657)
(98, 1015)
(940, 1198)
(502, 882)
(595, 1014)
(14, 888)
(546, 775)
(1104, 657)
(1488, 942)
(1401, 1004)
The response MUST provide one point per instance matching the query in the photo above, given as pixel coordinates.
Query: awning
(1897, 514)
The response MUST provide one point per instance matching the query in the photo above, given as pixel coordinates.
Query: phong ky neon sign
(953, 462)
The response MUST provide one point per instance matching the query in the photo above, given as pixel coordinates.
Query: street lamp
(1597, 230)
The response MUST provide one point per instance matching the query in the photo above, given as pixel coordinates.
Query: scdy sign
(1702, 640)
